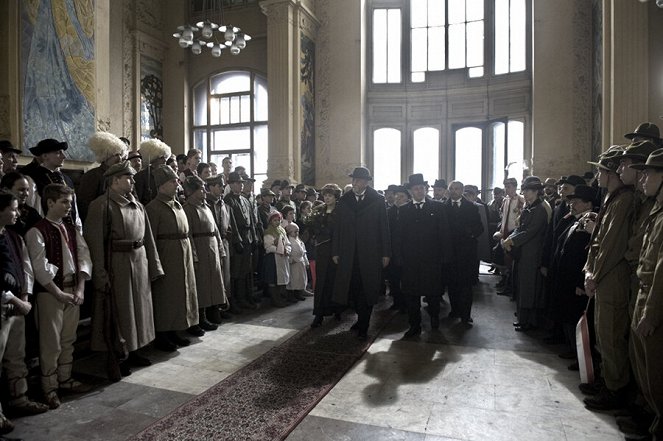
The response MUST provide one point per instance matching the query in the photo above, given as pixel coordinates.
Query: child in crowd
(61, 263)
(298, 263)
(277, 267)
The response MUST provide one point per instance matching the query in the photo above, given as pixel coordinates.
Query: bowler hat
(440, 183)
(654, 161)
(571, 180)
(415, 179)
(645, 130)
(550, 182)
(163, 174)
(361, 173)
(7, 146)
(119, 169)
(267, 192)
(584, 192)
(531, 183)
(234, 177)
(639, 151)
(609, 160)
(401, 189)
(47, 146)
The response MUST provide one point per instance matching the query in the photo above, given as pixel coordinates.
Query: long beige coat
(132, 270)
(174, 296)
(207, 243)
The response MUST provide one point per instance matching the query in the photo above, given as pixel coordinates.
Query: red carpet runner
(266, 399)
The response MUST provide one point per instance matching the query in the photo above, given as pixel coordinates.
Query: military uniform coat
(361, 232)
(222, 218)
(424, 247)
(174, 296)
(132, 269)
(208, 248)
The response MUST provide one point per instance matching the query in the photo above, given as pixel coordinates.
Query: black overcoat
(424, 247)
(465, 227)
(362, 231)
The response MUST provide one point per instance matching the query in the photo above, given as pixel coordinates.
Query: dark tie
(456, 204)
(360, 198)
(419, 205)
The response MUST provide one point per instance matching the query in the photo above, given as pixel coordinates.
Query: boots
(205, 324)
(299, 296)
(276, 293)
(213, 314)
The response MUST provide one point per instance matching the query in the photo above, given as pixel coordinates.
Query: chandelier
(210, 32)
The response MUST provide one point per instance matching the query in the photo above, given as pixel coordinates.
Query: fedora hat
(47, 146)
(572, 180)
(440, 183)
(639, 151)
(654, 161)
(415, 179)
(234, 177)
(391, 187)
(7, 146)
(645, 130)
(361, 173)
(609, 160)
(531, 183)
(267, 192)
(584, 192)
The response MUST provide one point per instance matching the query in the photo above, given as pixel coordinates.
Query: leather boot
(213, 314)
(203, 323)
(277, 297)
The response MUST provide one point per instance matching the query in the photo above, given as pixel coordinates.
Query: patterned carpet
(266, 399)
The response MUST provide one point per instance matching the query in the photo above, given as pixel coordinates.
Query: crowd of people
(164, 248)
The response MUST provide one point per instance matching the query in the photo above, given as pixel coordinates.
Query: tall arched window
(230, 119)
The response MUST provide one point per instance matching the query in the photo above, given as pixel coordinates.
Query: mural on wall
(57, 73)
(151, 98)
(307, 123)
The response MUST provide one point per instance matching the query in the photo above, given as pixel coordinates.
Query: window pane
(516, 149)
(215, 111)
(380, 46)
(436, 13)
(436, 48)
(260, 149)
(234, 110)
(418, 77)
(426, 153)
(456, 46)
(200, 139)
(242, 160)
(475, 72)
(394, 49)
(231, 139)
(456, 11)
(231, 82)
(200, 104)
(501, 36)
(474, 10)
(518, 43)
(386, 157)
(418, 13)
(499, 145)
(419, 50)
(468, 156)
(224, 106)
(475, 43)
(260, 107)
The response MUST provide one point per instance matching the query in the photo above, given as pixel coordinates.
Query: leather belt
(208, 234)
(172, 236)
(125, 246)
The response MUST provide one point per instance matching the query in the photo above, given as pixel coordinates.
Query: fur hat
(104, 145)
(153, 149)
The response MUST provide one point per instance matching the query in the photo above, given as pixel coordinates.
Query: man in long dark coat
(360, 248)
(465, 227)
(424, 238)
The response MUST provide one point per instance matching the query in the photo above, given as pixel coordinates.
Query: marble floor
(483, 383)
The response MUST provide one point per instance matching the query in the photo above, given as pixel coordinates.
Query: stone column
(625, 68)
(281, 77)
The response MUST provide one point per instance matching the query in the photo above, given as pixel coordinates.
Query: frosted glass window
(234, 110)
(510, 36)
(516, 149)
(260, 150)
(426, 153)
(469, 156)
(200, 104)
(499, 151)
(457, 46)
(260, 104)
(386, 45)
(231, 139)
(475, 43)
(419, 13)
(475, 72)
(436, 15)
(245, 109)
(517, 37)
(231, 82)
(436, 50)
(200, 139)
(456, 11)
(419, 50)
(474, 10)
(501, 36)
(386, 157)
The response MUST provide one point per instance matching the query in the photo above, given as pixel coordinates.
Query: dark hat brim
(40, 150)
(10, 149)
(368, 178)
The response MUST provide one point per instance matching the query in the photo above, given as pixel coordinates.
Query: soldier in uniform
(108, 150)
(175, 301)
(125, 261)
(607, 276)
(647, 332)
(209, 252)
(156, 152)
(221, 215)
(243, 242)
(423, 244)
(646, 131)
